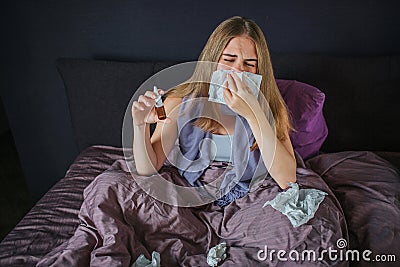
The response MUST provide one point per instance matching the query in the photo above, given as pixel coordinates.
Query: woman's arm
(277, 156)
(151, 153)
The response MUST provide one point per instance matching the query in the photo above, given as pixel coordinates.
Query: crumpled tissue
(218, 78)
(298, 205)
(216, 254)
(142, 261)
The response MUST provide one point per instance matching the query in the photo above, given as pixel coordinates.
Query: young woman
(237, 44)
(121, 223)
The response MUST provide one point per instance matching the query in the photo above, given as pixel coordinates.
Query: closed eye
(232, 60)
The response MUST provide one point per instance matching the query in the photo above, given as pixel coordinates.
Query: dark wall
(38, 32)
(3, 119)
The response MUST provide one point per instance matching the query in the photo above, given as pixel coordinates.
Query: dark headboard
(360, 107)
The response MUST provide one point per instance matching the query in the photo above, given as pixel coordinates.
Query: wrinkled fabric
(298, 205)
(367, 186)
(119, 222)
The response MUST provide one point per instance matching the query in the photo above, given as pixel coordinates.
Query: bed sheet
(365, 185)
(54, 218)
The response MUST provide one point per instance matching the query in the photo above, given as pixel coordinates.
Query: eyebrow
(247, 59)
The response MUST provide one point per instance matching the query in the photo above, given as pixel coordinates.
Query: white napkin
(218, 78)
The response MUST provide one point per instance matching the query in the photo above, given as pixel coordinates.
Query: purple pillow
(305, 104)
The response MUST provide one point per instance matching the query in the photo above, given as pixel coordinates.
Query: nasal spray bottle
(159, 105)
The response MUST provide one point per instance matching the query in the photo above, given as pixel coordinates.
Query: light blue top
(223, 147)
(193, 153)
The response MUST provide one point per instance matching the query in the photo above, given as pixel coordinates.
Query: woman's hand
(239, 97)
(143, 110)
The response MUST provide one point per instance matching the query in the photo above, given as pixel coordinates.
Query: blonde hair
(212, 51)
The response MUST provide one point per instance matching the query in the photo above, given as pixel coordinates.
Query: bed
(356, 164)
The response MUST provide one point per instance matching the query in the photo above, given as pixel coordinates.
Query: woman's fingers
(240, 85)
(227, 96)
(149, 97)
(167, 120)
(161, 92)
(231, 83)
(227, 93)
(150, 94)
(148, 101)
(139, 106)
(153, 118)
(143, 109)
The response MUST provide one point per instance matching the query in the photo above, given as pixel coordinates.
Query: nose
(238, 66)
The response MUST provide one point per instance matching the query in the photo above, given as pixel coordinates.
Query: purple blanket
(118, 221)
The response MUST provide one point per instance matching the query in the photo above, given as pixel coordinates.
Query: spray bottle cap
(159, 102)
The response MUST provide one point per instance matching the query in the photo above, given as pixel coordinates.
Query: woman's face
(240, 54)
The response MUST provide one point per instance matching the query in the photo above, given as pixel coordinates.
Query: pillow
(305, 104)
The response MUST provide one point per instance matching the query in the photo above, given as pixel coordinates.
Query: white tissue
(299, 205)
(216, 254)
(218, 78)
(142, 261)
